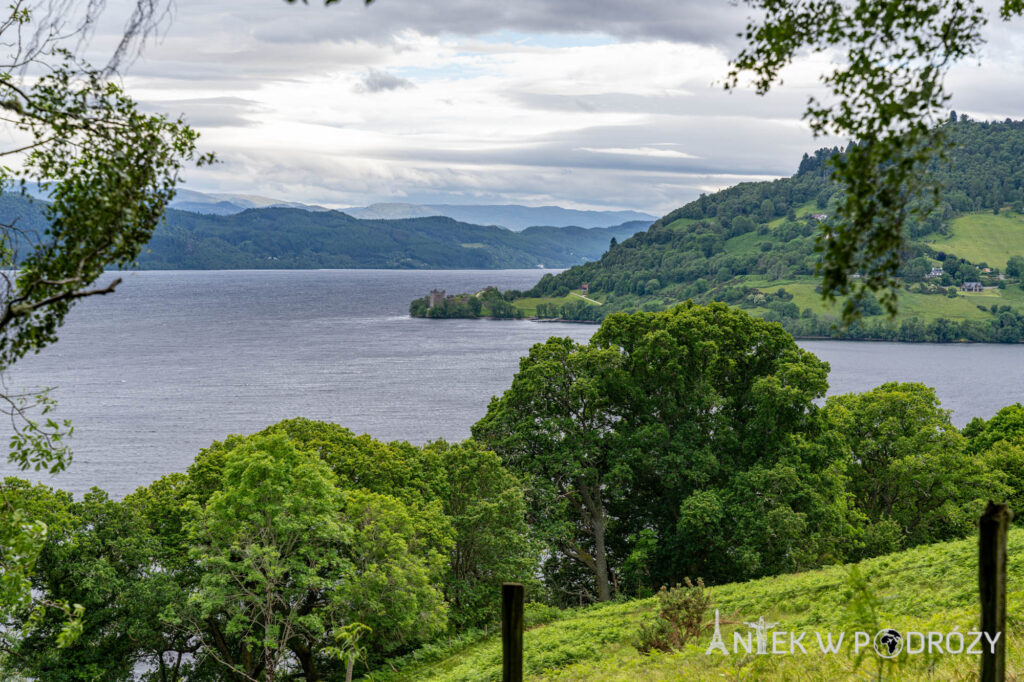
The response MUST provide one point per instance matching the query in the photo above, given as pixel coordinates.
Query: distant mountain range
(511, 216)
(227, 204)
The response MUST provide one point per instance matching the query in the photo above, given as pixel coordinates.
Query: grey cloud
(733, 145)
(242, 44)
(317, 179)
(234, 43)
(556, 169)
(209, 112)
(703, 101)
(244, 63)
(381, 81)
(274, 22)
(982, 91)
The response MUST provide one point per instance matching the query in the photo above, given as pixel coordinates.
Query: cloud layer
(582, 103)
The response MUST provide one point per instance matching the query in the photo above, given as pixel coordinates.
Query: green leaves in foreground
(22, 540)
(109, 172)
(887, 96)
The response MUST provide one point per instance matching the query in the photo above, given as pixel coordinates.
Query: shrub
(681, 616)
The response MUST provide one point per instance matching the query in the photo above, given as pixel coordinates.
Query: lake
(176, 360)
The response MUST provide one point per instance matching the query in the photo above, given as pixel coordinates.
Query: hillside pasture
(926, 307)
(529, 305)
(928, 588)
(985, 238)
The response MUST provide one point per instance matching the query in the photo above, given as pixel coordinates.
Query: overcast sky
(580, 103)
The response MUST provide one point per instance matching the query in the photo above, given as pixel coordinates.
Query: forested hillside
(754, 246)
(294, 238)
(282, 237)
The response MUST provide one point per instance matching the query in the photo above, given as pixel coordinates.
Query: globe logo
(888, 643)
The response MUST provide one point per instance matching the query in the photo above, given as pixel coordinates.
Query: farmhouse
(971, 286)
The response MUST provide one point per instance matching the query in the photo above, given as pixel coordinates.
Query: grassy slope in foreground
(929, 588)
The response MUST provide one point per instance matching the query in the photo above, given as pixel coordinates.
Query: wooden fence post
(992, 529)
(512, 632)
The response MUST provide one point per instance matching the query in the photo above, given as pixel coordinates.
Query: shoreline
(960, 342)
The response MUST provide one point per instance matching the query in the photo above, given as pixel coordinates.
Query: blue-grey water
(176, 360)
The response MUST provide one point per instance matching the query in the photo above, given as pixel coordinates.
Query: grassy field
(985, 238)
(979, 237)
(800, 211)
(927, 589)
(681, 222)
(743, 243)
(529, 305)
(926, 307)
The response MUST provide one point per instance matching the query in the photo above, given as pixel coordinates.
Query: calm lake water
(176, 360)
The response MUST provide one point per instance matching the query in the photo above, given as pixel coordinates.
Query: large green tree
(556, 427)
(461, 487)
(690, 435)
(493, 543)
(718, 412)
(909, 471)
(431, 530)
(270, 545)
(98, 555)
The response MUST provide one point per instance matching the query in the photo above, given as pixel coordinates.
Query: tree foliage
(909, 470)
(676, 434)
(556, 427)
(304, 550)
(269, 548)
(109, 171)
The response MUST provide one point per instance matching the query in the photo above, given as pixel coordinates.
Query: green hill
(272, 238)
(754, 246)
(281, 237)
(929, 588)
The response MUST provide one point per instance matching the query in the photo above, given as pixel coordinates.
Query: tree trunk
(598, 522)
(304, 654)
(604, 592)
(349, 665)
(268, 657)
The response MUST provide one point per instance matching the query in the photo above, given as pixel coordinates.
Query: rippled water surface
(175, 360)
